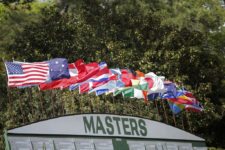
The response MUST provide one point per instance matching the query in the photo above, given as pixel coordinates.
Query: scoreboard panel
(100, 132)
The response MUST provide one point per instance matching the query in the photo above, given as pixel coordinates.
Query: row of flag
(99, 79)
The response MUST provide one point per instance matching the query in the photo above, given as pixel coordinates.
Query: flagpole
(63, 105)
(123, 102)
(188, 121)
(182, 119)
(11, 104)
(61, 101)
(8, 94)
(79, 100)
(164, 111)
(99, 103)
(174, 120)
(149, 110)
(104, 103)
(30, 100)
(156, 105)
(41, 102)
(107, 107)
(22, 112)
(130, 103)
(53, 104)
(10, 101)
(91, 106)
(114, 103)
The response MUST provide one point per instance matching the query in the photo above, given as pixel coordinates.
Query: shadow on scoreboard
(68, 143)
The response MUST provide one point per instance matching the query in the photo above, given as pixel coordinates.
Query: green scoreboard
(100, 132)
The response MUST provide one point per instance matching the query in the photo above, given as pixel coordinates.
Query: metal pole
(182, 119)
(164, 111)
(53, 104)
(188, 121)
(42, 107)
(174, 120)
(156, 105)
(6, 141)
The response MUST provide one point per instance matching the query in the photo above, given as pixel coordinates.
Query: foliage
(13, 19)
(182, 40)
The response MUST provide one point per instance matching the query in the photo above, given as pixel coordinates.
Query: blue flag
(101, 91)
(171, 91)
(73, 87)
(58, 68)
(176, 108)
(153, 96)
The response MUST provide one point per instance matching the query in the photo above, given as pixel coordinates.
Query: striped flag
(25, 74)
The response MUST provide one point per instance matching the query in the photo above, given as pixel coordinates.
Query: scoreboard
(100, 132)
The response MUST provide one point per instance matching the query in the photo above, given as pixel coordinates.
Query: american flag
(26, 74)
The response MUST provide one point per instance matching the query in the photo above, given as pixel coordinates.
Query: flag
(116, 71)
(119, 91)
(156, 83)
(139, 74)
(139, 94)
(87, 86)
(100, 92)
(109, 87)
(58, 68)
(72, 70)
(84, 87)
(73, 87)
(186, 97)
(142, 84)
(26, 74)
(150, 82)
(112, 84)
(194, 108)
(132, 92)
(80, 66)
(153, 96)
(90, 70)
(128, 92)
(93, 83)
(175, 107)
(181, 99)
(135, 82)
(170, 90)
(119, 84)
(61, 83)
(126, 76)
(85, 71)
(195, 105)
(138, 86)
(100, 78)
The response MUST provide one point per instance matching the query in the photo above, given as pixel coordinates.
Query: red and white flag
(25, 74)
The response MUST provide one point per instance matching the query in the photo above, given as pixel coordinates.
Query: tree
(180, 40)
